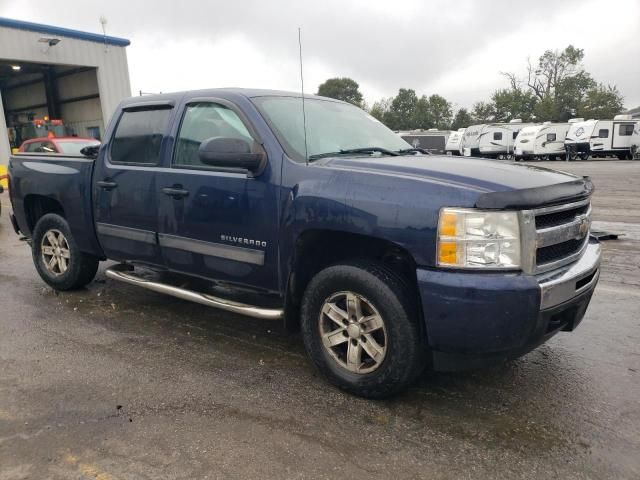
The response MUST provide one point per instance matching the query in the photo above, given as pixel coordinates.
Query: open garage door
(40, 100)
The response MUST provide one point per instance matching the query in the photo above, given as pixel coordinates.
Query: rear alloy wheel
(58, 258)
(55, 252)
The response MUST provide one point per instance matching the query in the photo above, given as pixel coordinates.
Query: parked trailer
(619, 137)
(541, 142)
(498, 139)
(471, 140)
(432, 140)
(454, 143)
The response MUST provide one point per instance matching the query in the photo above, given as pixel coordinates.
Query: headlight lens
(469, 238)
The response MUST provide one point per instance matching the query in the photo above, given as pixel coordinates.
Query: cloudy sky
(452, 47)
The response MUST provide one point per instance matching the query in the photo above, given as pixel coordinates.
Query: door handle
(107, 185)
(175, 192)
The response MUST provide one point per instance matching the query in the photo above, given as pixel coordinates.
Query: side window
(515, 134)
(138, 136)
(41, 147)
(497, 135)
(625, 130)
(551, 137)
(32, 147)
(202, 121)
(47, 147)
(603, 133)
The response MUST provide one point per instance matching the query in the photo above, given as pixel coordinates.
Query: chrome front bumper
(562, 285)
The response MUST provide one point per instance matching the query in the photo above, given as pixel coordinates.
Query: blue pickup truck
(388, 260)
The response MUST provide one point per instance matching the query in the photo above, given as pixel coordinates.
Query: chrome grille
(546, 220)
(556, 235)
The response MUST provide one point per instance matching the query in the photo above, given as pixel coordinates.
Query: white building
(58, 73)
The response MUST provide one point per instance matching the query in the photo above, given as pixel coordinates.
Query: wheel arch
(317, 249)
(36, 206)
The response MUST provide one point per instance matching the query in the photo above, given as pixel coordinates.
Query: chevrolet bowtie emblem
(585, 224)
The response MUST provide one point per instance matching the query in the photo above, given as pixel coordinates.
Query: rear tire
(360, 328)
(56, 255)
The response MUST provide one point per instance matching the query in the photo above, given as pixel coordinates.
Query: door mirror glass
(228, 152)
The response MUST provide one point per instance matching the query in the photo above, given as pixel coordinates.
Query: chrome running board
(123, 273)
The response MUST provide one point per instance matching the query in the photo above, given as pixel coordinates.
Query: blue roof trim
(63, 32)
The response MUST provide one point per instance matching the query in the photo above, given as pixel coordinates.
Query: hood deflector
(537, 197)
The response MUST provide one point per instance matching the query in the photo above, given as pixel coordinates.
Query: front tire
(360, 328)
(56, 255)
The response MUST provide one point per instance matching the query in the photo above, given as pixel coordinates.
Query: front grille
(558, 218)
(557, 251)
(561, 233)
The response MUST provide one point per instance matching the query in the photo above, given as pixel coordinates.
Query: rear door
(125, 185)
(216, 223)
(622, 134)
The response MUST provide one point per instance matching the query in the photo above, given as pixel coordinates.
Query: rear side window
(625, 130)
(497, 135)
(551, 137)
(603, 133)
(138, 136)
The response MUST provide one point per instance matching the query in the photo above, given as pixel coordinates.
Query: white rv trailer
(454, 143)
(544, 141)
(432, 140)
(619, 137)
(471, 140)
(498, 139)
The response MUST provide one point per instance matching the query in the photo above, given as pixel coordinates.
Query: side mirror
(91, 151)
(229, 152)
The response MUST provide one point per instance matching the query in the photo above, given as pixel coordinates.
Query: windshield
(331, 126)
(73, 147)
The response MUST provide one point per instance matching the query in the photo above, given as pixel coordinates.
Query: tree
(441, 113)
(344, 89)
(601, 102)
(483, 112)
(380, 108)
(401, 113)
(422, 116)
(558, 83)
(513, 103)
(462, 119)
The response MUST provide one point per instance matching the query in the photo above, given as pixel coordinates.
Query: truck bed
(64, 180)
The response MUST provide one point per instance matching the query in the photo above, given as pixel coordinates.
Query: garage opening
(42, 100)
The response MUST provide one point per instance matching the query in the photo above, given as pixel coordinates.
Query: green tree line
(555, 88)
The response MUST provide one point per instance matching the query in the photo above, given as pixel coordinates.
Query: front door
(217, 224)
(125, 186)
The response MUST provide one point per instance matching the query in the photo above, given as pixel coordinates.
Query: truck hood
(499, 185)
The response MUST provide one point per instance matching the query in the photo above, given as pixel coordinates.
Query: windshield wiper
(349, 151)
(413, 150)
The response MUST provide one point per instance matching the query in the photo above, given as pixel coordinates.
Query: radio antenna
(304, 113)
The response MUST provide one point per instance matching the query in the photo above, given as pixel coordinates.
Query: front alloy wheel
(353, 332)
(360, 326)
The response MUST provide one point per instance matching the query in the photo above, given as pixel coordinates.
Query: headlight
(469, 238)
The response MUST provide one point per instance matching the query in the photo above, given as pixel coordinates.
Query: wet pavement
(115, 382)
